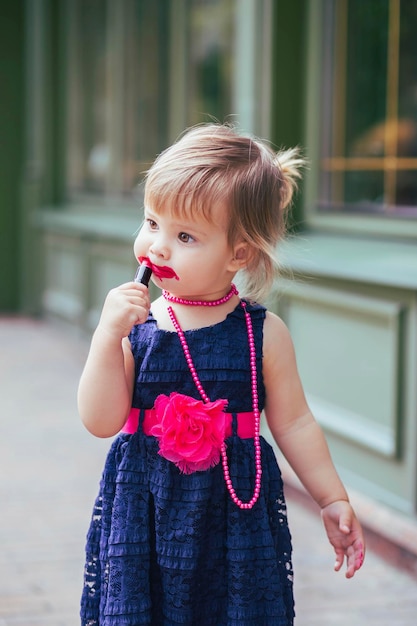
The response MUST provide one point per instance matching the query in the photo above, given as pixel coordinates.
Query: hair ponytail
(290, 163)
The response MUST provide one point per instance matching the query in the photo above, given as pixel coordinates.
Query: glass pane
(366, 77)
(406, 188)
(370, 95)
(407, 82)
(89, 154)
(146, 80)
(210, 60)
(364, 187)
(352, 191)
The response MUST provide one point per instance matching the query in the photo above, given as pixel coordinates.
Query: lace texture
(167, 549)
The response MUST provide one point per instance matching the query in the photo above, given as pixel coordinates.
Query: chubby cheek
(139, 247)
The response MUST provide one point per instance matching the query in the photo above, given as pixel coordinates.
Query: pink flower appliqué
(190, 432)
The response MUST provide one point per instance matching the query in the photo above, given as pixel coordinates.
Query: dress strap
(234, 424)
(142, 413)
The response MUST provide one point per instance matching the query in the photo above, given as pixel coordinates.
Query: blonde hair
(213, 164)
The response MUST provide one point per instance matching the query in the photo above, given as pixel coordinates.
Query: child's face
(195, 249)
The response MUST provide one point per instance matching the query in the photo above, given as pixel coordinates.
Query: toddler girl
(190, 523)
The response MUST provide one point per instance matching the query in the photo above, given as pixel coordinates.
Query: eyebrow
(179, 224)
(189, 226)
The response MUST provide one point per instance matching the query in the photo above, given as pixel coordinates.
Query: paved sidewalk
(49, 471)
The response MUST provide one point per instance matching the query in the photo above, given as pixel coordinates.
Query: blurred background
(93, 90)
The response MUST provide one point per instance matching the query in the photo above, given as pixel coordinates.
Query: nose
(159, 248)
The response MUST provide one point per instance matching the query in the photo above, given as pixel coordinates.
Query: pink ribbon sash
(245, 423)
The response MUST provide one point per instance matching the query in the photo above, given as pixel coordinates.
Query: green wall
(11, 148)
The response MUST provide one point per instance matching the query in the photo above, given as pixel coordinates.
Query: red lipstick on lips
(160, 271)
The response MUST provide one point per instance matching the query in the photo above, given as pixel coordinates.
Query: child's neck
(194, 314)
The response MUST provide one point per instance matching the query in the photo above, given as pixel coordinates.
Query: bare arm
(106, 384)
(302, 442)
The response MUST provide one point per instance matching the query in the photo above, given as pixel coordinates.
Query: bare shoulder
(160, 314)
(274, 324)
(277, 344)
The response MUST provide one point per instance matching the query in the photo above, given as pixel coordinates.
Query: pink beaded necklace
(252, 356)
(232, 291)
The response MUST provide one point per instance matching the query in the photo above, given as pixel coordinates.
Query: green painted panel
(110, 265)
(64, 277)
(348, 355)
(379, 477)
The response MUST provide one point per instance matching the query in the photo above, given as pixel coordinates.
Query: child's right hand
(124, 307)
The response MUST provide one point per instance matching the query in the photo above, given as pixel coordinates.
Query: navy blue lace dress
(166, 548)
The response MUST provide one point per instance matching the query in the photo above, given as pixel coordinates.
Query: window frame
(318, 81)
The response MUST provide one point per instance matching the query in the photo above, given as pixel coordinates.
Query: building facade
(98, 88)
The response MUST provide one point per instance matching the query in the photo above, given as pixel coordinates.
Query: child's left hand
(345, 534)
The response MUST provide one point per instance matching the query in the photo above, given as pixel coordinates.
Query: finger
(350, 568)
(137, 315)
(339, 560)
(355, 559)
(134, 288)
(359, 556)
(345, 524)
(133, 294)
(138, 300)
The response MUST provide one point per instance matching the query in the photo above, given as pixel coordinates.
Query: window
(116, 92)
(369, 115)
(210, 60)
(124, 74)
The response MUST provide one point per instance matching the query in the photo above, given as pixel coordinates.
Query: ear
(242, 256)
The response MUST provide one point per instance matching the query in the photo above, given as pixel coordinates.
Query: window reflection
(366, 71)
(370, 159)
(117, 92)
(122, 83)
(146, 86)
(211, 39)
(89, 151)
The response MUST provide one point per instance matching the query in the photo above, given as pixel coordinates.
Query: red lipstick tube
(143, 273)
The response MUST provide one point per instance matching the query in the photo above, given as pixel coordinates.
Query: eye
(152, 225)
(185, 238)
